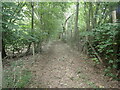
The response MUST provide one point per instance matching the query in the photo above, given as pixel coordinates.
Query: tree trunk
(28, 49)
(1, 73)
(32, 26)
(96, 13)
(87, 26)
(38, 47)
(3, 50)
(76, 25)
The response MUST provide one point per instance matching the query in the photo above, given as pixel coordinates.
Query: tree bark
(28, 49)
(32, 26)
(87, 26)
(1, 73)
(3, 50)
(76, 34)
(76, 19)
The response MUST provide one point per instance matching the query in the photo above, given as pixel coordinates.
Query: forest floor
(60, 66)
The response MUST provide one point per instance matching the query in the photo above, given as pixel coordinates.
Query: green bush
(107, 44)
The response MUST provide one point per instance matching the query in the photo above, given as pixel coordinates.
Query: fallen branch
(95, 52)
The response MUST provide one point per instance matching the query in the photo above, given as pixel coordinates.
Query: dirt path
(61, 67)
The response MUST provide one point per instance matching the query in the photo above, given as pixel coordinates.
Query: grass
(15, 75)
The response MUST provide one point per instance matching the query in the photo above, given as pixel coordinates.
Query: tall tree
(0, 48)
(76, 34)
(32, 25)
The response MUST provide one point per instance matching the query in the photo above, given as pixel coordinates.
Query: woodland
(51, 34)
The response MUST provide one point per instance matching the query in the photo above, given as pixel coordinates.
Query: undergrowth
(15, 75)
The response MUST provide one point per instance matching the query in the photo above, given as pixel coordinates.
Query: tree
(0, 49)
(18, 21)
(32, 25)
(10, 14)
(76, 24)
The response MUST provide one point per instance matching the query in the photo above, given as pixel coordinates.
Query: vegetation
(92, 27)
(18, 32)
(16, 75)
(98, 30)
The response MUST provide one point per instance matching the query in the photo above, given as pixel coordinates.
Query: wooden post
(114, 16)
(33, 49)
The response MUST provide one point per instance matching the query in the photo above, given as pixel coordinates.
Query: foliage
(16, 23)
(16, 75)
(106, 44)
(95, 26)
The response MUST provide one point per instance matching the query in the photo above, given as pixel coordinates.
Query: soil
(60, 66)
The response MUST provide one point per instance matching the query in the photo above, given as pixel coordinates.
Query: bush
(107, 44)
